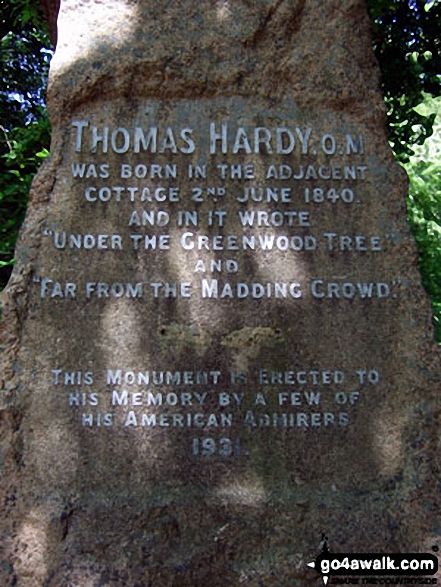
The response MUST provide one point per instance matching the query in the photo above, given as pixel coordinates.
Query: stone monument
(216, 343)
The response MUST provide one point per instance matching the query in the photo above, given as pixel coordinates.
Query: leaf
(42, 154)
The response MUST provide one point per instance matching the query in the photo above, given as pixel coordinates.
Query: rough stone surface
(352, 450)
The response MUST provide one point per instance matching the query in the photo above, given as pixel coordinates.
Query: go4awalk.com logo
(375, 568)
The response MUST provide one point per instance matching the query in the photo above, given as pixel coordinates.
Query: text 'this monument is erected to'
(217, 346)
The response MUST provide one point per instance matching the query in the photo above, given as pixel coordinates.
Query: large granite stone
(216, 342)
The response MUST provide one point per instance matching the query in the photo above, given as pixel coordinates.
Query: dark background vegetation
(407, 43)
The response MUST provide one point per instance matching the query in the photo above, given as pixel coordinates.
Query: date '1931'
(222, 447)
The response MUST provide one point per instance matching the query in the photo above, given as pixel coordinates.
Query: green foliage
(26, 148)
(24, 126)
(407, 43)
(25, 54)
(424, 208)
